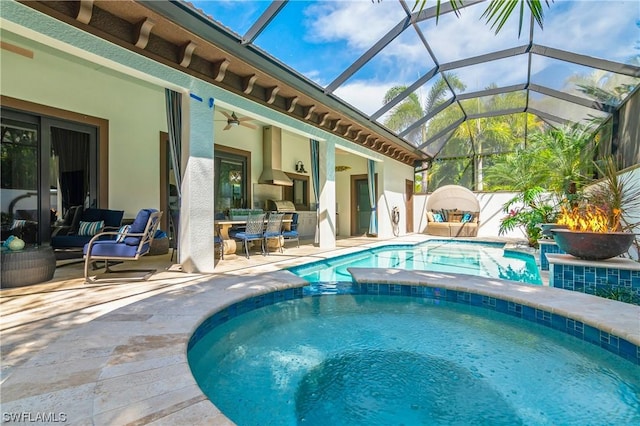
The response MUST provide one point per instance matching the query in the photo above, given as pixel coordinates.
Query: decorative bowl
(593, 245)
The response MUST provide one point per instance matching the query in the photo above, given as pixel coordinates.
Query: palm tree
(411, 109)
(498, 11)
(570, 150)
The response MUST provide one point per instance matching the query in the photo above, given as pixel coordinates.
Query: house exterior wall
(134, 109)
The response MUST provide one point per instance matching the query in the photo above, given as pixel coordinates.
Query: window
(299, 192)
(231, 179)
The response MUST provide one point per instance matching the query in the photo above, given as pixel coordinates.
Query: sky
(320, 39)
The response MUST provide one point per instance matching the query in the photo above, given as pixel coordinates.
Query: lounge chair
(129, 244)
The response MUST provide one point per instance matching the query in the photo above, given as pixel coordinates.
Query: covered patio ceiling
(349, 66)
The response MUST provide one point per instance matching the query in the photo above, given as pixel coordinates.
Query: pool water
(480, 259)
(375, 360)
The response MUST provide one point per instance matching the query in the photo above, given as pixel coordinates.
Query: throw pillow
(467, 217)
(448, 217)
(430, 217)
(18, 223)
(89, 229)
(122, 232)
(437, 217)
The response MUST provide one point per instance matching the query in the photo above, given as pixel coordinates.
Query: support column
(327, 214)
(196, 247)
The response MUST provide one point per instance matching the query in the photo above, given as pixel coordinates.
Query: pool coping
(130, 365)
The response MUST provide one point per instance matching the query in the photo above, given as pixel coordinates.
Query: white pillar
(327, 213)
(196, 247)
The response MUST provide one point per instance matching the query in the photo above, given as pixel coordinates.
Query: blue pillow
(438, 217)
(467, 217)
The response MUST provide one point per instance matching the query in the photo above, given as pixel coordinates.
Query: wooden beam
(346, 130)
(308, 110)
(85, 12)
(291, 103)
(248, 83)
(220, 69)
(336, 124)
(186, 53)
(323, 119)
(271, 93)
(143, 29)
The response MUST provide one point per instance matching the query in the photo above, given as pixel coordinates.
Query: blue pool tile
(502, 306)
(489, 302)
(559, 322)
(450, 295)
(543, 317)
(475, 299)
(628, 350)
(464, 297)
(372, 288)
(514, 309)
(591, 334)
(529, 313)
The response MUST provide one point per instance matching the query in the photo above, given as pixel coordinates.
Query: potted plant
(528, 210)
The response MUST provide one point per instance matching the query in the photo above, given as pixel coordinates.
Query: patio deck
(116, 353)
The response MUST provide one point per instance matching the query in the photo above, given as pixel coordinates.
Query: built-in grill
(282, 206)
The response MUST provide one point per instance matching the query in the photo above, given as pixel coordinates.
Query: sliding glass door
(47, 166)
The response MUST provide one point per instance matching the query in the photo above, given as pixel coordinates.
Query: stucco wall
(134, 109)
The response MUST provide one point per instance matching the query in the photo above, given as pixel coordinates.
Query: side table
(31, 265)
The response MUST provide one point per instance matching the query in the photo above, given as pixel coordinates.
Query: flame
(590, 219)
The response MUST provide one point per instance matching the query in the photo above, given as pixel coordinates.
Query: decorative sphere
(16, 244)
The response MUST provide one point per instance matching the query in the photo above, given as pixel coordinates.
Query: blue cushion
(91, 215)
(138, 226)
(438, 217)
(290, 234)
(112, 218)
(467, 217)
(245, 236)
(62, 241)
(110, 249)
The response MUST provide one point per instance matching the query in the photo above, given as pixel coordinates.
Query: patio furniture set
(271, 229)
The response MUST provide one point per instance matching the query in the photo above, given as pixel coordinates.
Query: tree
(412, 108)
(498, 11)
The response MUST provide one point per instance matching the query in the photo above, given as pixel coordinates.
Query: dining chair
(252, 232)
(273, 230)
(292, 232)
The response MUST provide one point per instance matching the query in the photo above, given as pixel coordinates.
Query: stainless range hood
(272, 158)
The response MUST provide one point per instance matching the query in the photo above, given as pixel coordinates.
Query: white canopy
(453, 197)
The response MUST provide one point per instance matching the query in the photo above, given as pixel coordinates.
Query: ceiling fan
(234, 121)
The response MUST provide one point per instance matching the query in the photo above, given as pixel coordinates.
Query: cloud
(359, 23)
(366, 96)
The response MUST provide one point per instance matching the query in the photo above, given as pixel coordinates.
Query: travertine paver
(116, 354)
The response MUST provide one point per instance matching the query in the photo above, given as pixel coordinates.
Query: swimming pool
(480, 259)
(376, 360)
